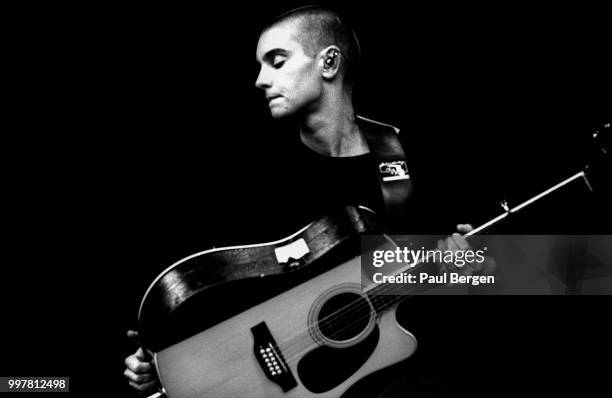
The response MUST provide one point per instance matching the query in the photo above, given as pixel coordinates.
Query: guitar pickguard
(324, 368)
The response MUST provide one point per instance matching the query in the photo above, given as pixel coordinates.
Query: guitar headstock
(599, 157)
(601, 138)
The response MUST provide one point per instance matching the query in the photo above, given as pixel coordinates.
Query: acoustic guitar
(313, 337)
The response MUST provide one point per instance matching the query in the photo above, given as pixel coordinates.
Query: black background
(135, 136)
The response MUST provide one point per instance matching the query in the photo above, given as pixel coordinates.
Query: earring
(329, 61)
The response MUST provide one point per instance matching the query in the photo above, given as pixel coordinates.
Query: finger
(145, 386)
(143, 355)
(140, 354)
(460, 242)
(443, 268)
(451, 244)
(464, 228)
(441, 247)
(136, 365)
(133, 335)
(138, 377)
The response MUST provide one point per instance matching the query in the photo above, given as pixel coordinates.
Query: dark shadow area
(139, 139)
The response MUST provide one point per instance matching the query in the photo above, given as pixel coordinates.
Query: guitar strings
(332, 316)
(345, 312)
(294, 352)
(292, 347)
(293, 356)
(349, 308)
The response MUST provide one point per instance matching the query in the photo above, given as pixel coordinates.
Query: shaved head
(318, 28)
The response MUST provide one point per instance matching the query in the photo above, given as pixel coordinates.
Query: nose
(263, 81)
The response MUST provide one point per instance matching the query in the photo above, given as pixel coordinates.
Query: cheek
(307, 86)
(302, 78)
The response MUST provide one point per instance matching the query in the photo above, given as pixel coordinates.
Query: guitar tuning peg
(504, 205)
(601, 141)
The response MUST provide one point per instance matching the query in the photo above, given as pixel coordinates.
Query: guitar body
(315, 337)
(285, 318)
(222, 361)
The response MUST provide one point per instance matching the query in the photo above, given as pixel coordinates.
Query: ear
(330, 59)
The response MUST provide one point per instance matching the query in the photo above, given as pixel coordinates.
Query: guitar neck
(384, 296)
(516, 209)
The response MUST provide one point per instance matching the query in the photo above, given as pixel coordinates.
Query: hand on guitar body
(457, 242)
(140, 370)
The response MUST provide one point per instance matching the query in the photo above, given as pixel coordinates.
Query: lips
(272, 97)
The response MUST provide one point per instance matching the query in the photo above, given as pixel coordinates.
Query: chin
(280, 113)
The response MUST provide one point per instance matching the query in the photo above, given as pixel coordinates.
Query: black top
(310, 185)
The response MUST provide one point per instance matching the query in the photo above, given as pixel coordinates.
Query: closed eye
(276, 58)
(278, 62)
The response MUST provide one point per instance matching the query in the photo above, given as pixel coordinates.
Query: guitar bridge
(271, 359)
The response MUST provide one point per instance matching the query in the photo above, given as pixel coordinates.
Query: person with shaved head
(308, 66)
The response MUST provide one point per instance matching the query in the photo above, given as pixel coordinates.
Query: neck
(332, 129)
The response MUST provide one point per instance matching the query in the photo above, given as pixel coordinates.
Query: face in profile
(290, 78)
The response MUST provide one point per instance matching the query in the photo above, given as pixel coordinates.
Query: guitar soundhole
(344, 316)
